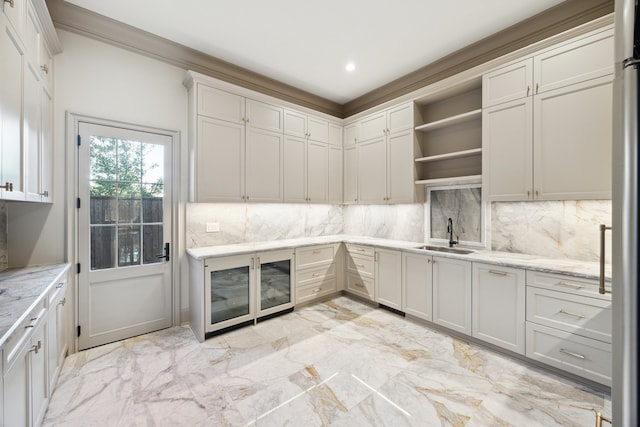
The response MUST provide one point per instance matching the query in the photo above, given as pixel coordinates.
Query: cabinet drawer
(315, 255)
(360, 250)
(568, 284)
(362, 286)
(23, 332)
(572, 353)
(303, 277)
(316, 289)
(57, 291)
(361, 265)
(589, 317)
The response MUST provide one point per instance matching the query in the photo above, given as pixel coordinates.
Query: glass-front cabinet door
(229, 291)
(275, 281)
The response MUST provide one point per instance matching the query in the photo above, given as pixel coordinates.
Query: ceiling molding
(553, 21)
(81, 21)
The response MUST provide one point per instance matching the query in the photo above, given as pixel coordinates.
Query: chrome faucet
(450, 233)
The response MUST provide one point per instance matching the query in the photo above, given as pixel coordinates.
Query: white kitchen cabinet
(417, 285)
(452, 294)
(372, 170)
(400, 171)
(350, 174)
(386, 122)
(360, 271)
(219, 104)
(304, 126)
(32, 124)
(317, 172)
(264, 116)
(46, 146)
(335, 135)
(388, 278)
(15, 13)
(547, 124)
(11, 141)
(336, 163)
(306, 170)
(263, 166)
(498, 306)
(57, 327)
(350, 134)
(316, 272)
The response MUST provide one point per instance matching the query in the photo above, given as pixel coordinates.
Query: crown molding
(565, 16)
(81, 21)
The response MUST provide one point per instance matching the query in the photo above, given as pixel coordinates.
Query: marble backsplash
(464, 207)
(4, 253)
(396, 222)
(246, 222)
(568, 229)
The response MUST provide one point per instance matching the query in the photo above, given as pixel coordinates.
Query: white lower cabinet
(417, 285)
(452, 294)
(360, 265)
(316, 272)
(498, 296)
(388, 278)
(57, 331)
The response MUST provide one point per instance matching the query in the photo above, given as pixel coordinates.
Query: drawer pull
(11, 3)
(569, 285)
(568, 313)
(360, 249)
(63, 301)
(59, 285)
(316, 290)
(316, 274)
(359, 265)
(358, 285)
(316, 252)
(498, 273)
(572, 354)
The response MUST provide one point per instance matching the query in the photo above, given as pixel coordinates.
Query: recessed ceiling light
(350, 67)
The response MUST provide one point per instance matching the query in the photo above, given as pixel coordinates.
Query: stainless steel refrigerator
(624, 393)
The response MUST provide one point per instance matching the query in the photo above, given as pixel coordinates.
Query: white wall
(99, 80)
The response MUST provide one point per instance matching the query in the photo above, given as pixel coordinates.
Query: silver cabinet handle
(358, 285)
(572, 354)
(8, 186)
(36, 348)
(11, 3)
(316, 274)
(498, 273)
(568, 285)
(568, 313)
(603, 228)
(316, 290)
(359, 265)
(63, 301)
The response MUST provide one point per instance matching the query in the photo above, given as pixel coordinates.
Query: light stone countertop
(575, 268)
(21, 289)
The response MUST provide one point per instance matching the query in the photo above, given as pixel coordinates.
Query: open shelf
(450, 121)
(469, 179)
(452, 155)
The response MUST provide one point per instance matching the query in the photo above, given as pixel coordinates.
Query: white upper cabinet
(372, 170)
(264, 116)
(335, 135)
(303, 126)
(219, 104)
(373, 126)
(350, 134)
(350, 174)
(547, 126)
(16, 14)
(317, 172)
(335, 175)
(400, 118)
(263, 166)
(295, 169)
(400, 172)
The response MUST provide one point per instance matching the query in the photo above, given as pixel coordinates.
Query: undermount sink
(446, 249)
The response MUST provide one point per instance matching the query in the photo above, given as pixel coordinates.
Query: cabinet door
(507, 83)
(275, 281)
(373, 126)
(317, 129)
(417, 285)
(498, 297)
(263, 166)
(219, 161)
(317, 172)
(38, 375)
(46, 146)
(56, 329)
(335, 175)
(11, 136)
(294, 169)
(351, 174)
(572, 142)
(32, 132)
(400, 118)
(335, 135)
(350, 134)
(16, 14)
(507, 151)
(452, 294)
(229, 291)
(578, 61)
(372, 171)
(218, 104)
(295, 124)
(17, 411)
(388, 278)
(401, 166)
(264, 116)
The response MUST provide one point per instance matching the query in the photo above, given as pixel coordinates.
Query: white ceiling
(307, 43)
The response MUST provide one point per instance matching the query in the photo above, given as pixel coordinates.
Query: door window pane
(229, 294)
(153, 243)
(128, 245)
(275, 284)
(103, 244)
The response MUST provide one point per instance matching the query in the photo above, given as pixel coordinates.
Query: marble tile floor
(339, 363)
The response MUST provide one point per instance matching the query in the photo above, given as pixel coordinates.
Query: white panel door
(32, 132)
(124, 233)
(401, 167)
(400, 118)
(452, 294)
(317, 172)
(263, 165)
(318, 129)
(46, 146)
(335, 175)
(572, 142)
(388, 278)
(294, 169)
(507, 83)
(417, 285)
(295, 124)
(372, 171)
(218, 104)
(264, 116)
(372, 126)
(350, 174)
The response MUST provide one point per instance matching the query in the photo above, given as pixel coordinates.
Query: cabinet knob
(11, 2)
(45, 193)
(528, 89)
(536, 87)
(45, 68)
(36, 348)
(63, 301)
(8, 186)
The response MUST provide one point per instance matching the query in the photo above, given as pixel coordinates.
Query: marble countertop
(21, 289)
(583, 269)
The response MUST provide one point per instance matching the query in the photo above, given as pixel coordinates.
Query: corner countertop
(575, 268)
(21, 289)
